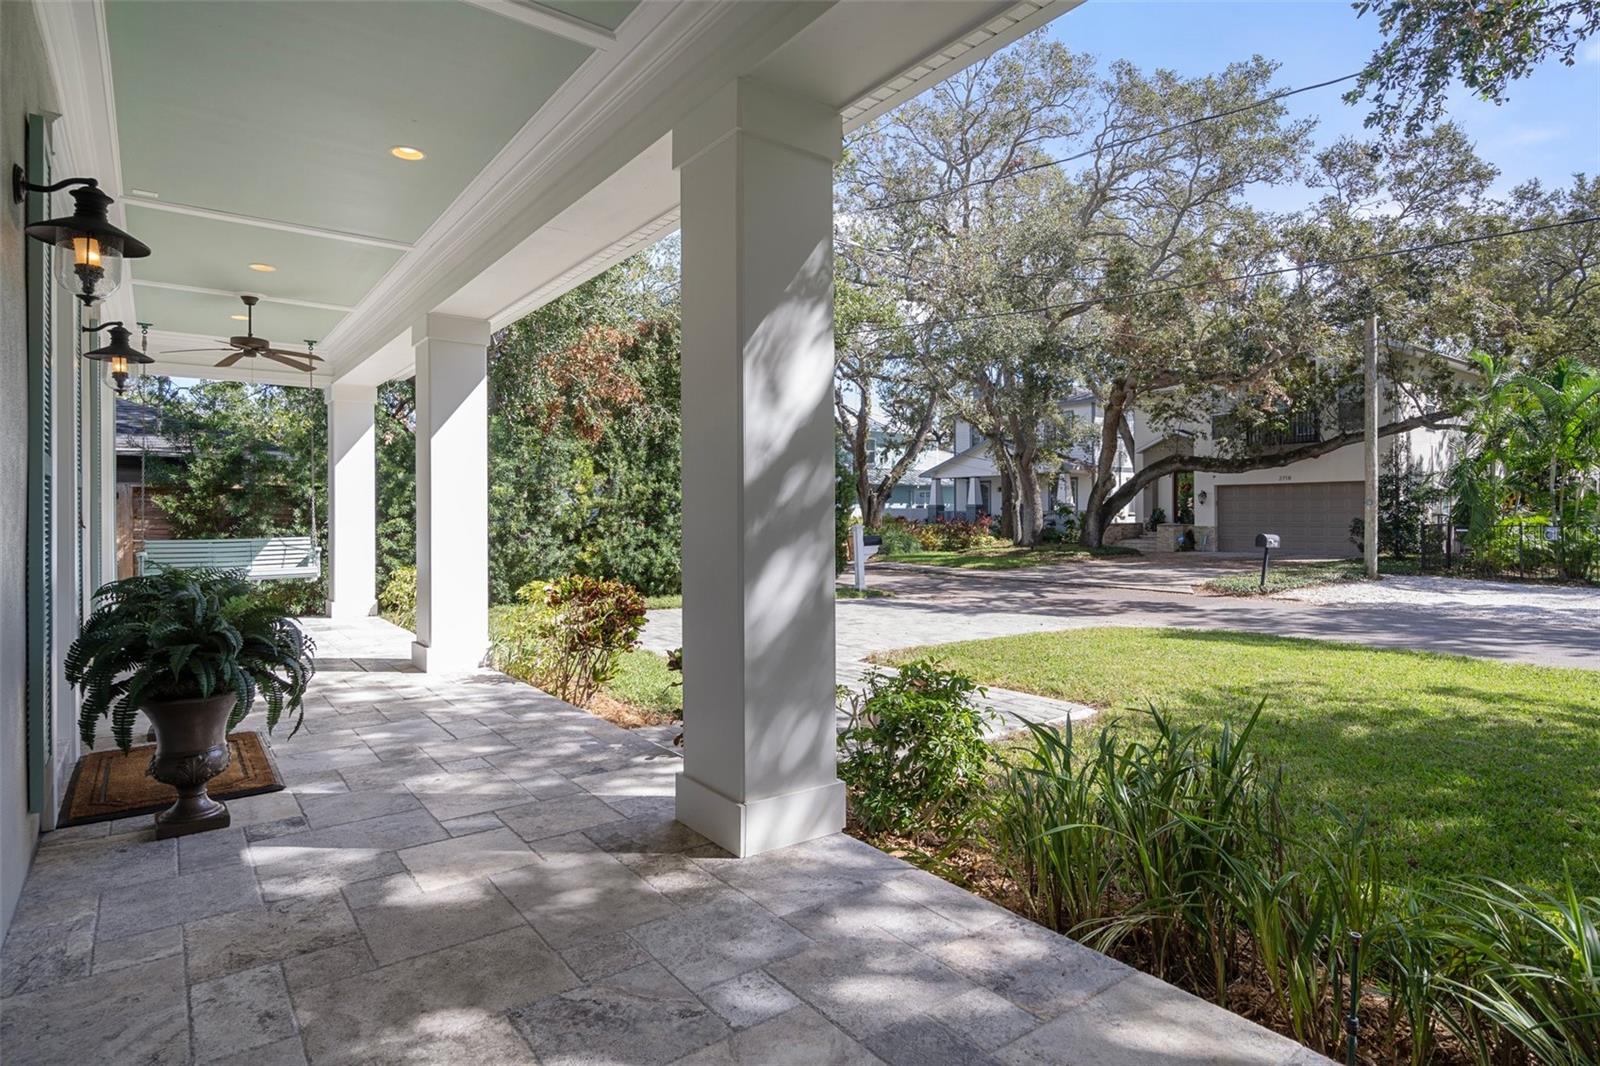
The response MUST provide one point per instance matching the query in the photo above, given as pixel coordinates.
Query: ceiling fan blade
(186, 351)
(273, 354)
(230, 360)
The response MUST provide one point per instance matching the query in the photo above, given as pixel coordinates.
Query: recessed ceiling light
(265, 268)
(145, 192)
(240, 318)
(408, 153)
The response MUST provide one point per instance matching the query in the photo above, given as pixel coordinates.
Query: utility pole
(1369, 448)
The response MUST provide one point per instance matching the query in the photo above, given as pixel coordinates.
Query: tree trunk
(1008, 504)
(1096, 515)
(1030, 519)
(872, 505)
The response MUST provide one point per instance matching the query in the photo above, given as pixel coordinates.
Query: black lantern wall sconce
(119, 356)
(89, 249)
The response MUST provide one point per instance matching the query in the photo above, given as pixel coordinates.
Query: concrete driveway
(1542, 625)
(931, 606)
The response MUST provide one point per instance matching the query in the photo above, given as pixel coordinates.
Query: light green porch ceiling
(285, 113)
(204, 315)
(309, 268)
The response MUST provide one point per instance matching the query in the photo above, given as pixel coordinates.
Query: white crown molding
(201, 291)
(153, 203)
(551, 21)
(669, 54)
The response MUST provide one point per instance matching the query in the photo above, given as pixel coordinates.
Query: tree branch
(1238, 464)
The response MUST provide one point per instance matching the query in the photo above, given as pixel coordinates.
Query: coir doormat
(108, 784)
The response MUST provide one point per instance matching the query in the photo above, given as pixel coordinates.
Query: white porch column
(352, 501)
(756, 170)
(452, 493)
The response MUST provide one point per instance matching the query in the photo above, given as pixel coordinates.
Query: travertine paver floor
(468, 871)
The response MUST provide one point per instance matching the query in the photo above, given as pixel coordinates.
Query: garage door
(1311, 519)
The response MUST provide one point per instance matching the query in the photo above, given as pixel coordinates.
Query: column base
(346, 610)
(431, 659)
(760, 825)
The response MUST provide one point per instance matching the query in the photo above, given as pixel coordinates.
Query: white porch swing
(261, 558)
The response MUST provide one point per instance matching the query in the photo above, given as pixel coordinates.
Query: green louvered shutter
(41, 460)
(80, 531)
(97, 473)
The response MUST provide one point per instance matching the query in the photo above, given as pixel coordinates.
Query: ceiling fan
(252, 346)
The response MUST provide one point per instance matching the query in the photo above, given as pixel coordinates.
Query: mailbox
(871, 545)
(1266, 542)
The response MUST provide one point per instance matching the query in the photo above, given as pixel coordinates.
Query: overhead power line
(1319, 264)
(912, 201)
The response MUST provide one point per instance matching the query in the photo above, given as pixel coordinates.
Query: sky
(1547, 129)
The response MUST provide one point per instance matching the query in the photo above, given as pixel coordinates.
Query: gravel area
(1496, 596)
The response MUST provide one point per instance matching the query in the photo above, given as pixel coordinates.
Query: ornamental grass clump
(1175, 854)
(182, 634)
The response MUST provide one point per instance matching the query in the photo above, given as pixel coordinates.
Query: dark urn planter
(191, 749)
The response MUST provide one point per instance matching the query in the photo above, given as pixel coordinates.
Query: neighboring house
(912, 496)
(1309, 504)
(974, 476)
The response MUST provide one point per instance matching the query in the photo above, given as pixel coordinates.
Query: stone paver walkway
(469, 871)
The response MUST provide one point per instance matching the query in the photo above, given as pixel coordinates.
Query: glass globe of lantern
(89, 249)
(122, 365)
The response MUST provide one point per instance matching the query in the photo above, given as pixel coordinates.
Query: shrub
(953, 534)
(568, 645)
(899, 538)
(913, 753)
(397, 600)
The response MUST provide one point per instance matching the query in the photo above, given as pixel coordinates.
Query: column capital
(452, 328)
(749, 107)
(345, 392)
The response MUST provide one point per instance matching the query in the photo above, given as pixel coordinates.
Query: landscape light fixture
(89, 249)
(119, 356)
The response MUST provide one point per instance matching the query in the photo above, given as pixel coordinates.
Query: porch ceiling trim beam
(977, 44)
(154, 204)
(174, 286)
(551, 21)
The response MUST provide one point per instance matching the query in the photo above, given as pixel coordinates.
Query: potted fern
(192, 649)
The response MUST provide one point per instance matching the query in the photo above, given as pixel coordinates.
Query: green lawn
(1285, 576)
(644, 681)
(1008, 557)
(1463, 766)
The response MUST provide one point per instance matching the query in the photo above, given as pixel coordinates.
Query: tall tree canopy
(584, 469)
(1055, 228)
(1484, 44)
